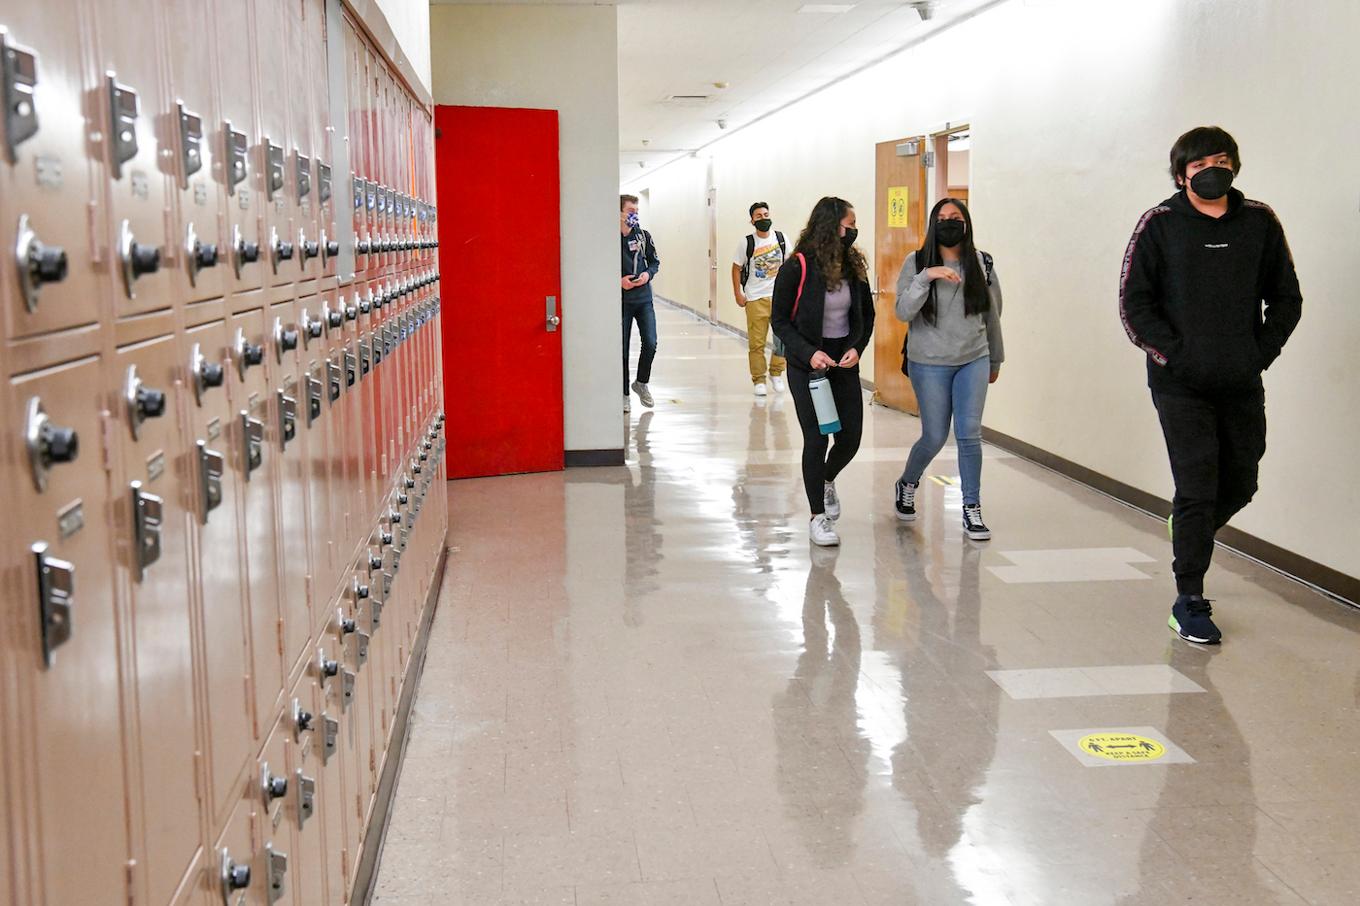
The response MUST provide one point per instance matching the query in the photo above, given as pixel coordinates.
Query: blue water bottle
(828, 419)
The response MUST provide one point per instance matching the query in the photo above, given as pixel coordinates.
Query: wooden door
(899, 219)
(502, 289)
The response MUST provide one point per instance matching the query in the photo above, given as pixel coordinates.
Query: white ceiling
(766, 53)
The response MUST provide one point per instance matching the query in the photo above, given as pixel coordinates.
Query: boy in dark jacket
(1208, 291)
(639, 265)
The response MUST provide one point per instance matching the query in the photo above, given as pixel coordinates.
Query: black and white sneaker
(904, 501)
(973, 526)
(1192, 620)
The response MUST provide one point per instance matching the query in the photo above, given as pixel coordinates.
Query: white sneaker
(778, 381)
(822, 531)
(831, 500)
(760, 389)
(644, 395)
(627, 403)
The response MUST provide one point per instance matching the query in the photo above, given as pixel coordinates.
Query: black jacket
(639, 255)
(803, 337)
(1192, 290)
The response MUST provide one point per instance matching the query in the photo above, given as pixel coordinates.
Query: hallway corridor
(644, 687)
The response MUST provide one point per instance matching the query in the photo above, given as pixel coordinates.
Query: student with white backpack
(754, 267)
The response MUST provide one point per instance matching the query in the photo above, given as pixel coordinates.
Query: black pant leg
(1241, 445)
(1190, 427)
(814, 441)
(849, 397)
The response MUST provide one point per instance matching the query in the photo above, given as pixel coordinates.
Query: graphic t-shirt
(765, 262)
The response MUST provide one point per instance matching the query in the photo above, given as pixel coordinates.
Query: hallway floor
(644, 687)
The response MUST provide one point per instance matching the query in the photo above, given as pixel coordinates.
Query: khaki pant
(757, 329)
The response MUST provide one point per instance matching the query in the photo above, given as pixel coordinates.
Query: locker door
(317, 40)
(236, 138)
(301, 75)
(50, 183)
(276, 788)
(255, 449)
(336, 427)
(273, 61)
(221, 569)
(70, 672)
(287, 400)
(135, 122)
(152, 532)
(354, 413)
(200, 244)
(302, 809)
(314, 390)
(356, 75)
(231, 874)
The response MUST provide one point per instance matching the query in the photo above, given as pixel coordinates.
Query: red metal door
(499, 259)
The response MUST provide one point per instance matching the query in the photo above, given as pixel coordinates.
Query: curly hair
(821, 242)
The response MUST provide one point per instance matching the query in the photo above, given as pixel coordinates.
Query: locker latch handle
(20, 75)
(56, 593)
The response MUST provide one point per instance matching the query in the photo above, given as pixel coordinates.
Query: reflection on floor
(645, 688)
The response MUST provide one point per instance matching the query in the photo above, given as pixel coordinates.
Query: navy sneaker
(1191, 619)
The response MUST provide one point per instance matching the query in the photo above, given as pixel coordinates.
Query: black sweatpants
(818, 465)
(1215, 444)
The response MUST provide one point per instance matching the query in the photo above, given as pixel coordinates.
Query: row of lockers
(223, 446)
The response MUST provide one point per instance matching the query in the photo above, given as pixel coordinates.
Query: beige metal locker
(304, 802)
(275, 789)
(277, 160)
(236, 138)
(151, 534)
(71, 673)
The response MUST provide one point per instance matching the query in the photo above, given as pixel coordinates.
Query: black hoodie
(638, 256)
(802, 335)
(1192, 291)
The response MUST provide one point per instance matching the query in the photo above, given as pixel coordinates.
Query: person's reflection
(930, 626)
(1203, 725)
(822, 759)
(642, 534)
(759, 507)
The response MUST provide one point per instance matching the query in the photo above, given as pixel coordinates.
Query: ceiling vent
(688, 100)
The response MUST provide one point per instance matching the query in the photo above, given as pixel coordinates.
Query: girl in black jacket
(823, 311)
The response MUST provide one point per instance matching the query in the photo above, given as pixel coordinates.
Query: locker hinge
(198, 775)
(131, 881)
(107, 428)
(280, 631)
(344, 863)
(372, 761)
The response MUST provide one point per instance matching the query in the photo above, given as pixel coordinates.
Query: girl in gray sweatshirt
(949, 294)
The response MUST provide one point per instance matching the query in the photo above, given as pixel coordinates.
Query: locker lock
(138, 259)
(345, 624)
(282, 251)
(325, 667)
(361, 591)
(47, 444)
(205, 374)
(272, 787)
(384, 538)
(198, 254)
(409, 482)
(352, 311)
(394, 517)
(36, 263)
(246, 252)
(334, 318)
(331, 246)
(310, 248)
(311, 329)
(285, 338)
(247, 353)
(142, 401)
(366, 303)
(234, 877)
(302, 720)
(403, 498)
(375, 561)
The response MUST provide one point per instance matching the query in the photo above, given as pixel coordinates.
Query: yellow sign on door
(897, 206)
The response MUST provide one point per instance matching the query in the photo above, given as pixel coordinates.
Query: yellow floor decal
(1122, 747)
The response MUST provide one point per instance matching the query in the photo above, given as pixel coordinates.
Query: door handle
(553, 319)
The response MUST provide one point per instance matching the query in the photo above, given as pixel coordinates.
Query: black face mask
(763, 226)
(1212, 183)
(849, 238)
(949, 232)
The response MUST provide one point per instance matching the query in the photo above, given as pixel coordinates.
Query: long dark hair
(821, 242)
(975, 297)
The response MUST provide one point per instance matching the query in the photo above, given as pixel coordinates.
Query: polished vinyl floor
(645, 688)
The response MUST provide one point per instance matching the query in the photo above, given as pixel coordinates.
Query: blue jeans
(645, 315)
(945, 391)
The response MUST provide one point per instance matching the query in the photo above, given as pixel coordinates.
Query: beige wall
(561, 58)
(410, 23)
(1073, 107)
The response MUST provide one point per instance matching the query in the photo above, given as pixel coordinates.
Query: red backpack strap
(802, 277)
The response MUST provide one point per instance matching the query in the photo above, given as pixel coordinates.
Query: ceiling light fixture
(826, 7)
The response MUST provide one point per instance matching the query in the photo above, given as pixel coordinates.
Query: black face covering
(763, 226)
(1212, 183)
(850, 235)
(949, 232)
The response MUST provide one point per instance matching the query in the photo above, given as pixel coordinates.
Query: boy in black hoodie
(1208, 291)
(639, 264)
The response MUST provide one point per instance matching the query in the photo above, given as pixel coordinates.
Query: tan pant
(757, 329)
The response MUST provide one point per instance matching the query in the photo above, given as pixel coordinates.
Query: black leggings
(818, 466)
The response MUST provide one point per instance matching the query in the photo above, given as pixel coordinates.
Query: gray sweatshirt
(954, 338)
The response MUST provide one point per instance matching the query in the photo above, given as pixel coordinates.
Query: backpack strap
(802, 278)
(750, 251)
(986, 265)
(783, 252)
